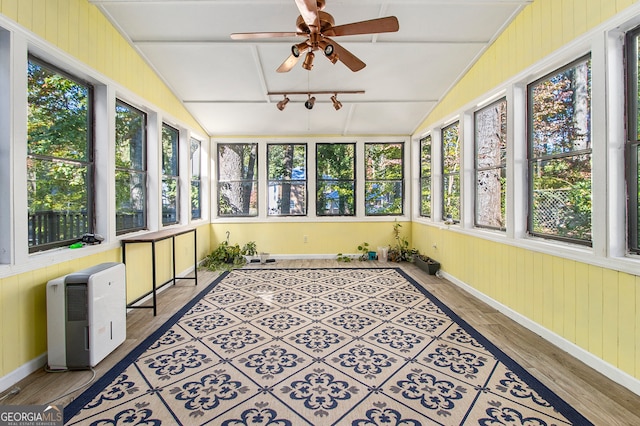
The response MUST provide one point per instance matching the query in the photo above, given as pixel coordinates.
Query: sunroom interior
(509, 155)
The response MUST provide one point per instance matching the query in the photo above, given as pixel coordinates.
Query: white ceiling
(224, 83)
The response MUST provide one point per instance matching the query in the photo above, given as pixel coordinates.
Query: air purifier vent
(76, 302)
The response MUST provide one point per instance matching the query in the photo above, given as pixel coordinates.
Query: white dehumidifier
(86, 316)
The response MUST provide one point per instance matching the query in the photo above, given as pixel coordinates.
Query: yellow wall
(596, 308)
(23, 309)
(541, 28)
(328, 238)
(79, 29)
(139, 278)
(82, 31)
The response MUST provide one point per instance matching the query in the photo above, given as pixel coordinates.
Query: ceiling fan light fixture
(308, 61)
(329, 51)
(310, 102)
(283, 103)
(336, 103)
(333, 58)
(299, 48)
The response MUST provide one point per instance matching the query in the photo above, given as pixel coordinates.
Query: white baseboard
(571, 348)
(21, 372)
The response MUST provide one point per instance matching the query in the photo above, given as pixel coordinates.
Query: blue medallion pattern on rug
(289, 347)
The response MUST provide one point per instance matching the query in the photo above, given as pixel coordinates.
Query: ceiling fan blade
(309, 12)
(346, 57)
(288, 63)
(372, 26)
(247, 36)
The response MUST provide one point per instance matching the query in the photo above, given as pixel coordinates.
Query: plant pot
(372, 255)
(429, 265)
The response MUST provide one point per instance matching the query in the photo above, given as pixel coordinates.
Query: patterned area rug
(360, 347)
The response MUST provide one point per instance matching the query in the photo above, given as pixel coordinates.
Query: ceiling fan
(318, 26)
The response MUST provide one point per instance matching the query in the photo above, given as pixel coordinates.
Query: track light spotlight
(308, 61)
(310, 102)
(299, 48)
(329, 51)
(283, 103)
(336, 103)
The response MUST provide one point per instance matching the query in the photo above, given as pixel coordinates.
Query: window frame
(502, 165)
(195, 178)
(270, 180)
(144, 170)
(175, 159)
(354, 180)
(88, 162)
(453, 174)
(632, 174)
(254, 181)
(401, 180)
(425, 182)
(531, 160)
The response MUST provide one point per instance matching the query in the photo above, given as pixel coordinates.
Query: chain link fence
(554, 214)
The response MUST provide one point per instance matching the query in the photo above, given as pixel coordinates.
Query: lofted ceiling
(225, 83)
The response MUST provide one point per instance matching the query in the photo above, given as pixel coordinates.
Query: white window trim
(605, 43)
(15, 45)
(311, 216)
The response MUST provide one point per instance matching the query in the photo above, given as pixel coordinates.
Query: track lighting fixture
(310, 102)
(336, 103)
(283, 103)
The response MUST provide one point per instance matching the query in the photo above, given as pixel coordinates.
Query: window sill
(53, 257)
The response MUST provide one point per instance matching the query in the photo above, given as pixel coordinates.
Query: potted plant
(225, 257)
(343, 257)
(366, 252)
(427, 264)
(400, 250)
(229, 256)
(249, 250)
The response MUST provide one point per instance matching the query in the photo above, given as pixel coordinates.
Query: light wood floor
(594, 395)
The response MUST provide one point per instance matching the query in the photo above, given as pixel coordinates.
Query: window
(131, 169)
(425, 176)
(59, 157)
(169, 175)
(451, 172)
(196, 189)
(237, 179)
(491, 159)
(336, 179)
(633, 149)
(287, 176)
(560, 154)
(384, 179)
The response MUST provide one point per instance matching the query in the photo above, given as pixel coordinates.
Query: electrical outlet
(434, 246)
(305, 239)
